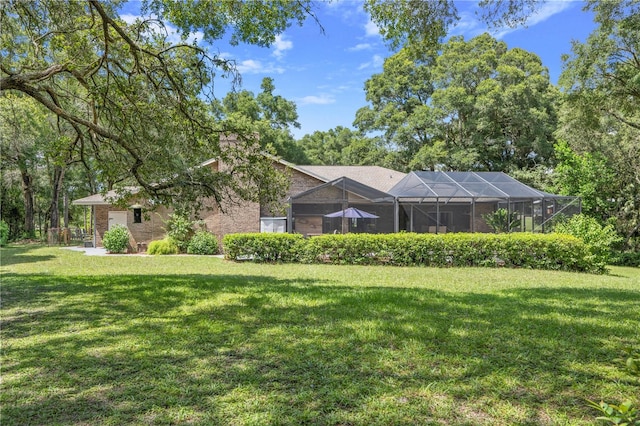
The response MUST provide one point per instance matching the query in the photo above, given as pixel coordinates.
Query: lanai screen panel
(443, 186)
(476, 185)
(510, 186)
(308, 209)
(412, 186)
(463, 185)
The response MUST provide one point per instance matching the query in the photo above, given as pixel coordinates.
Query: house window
(137, 215)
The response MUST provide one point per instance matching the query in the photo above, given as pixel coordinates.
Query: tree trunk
(56, 189)
(27, 192)
(66, 209)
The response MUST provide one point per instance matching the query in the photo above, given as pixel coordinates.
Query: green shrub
(501, 220)
(116, 239)
(517, 250)
(203, 242)
(599, 239)
(262, 247)
(626, 258)
(180, 230)
(4, 233)
(165, 246)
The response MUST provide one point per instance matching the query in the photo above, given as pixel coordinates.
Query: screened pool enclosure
(476, 202)
(430, 202)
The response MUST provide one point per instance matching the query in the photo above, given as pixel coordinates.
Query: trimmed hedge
(515, 250)
(262, 247)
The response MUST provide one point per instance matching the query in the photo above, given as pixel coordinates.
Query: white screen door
(117, 218)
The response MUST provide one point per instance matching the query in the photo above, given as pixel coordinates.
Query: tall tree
(477, 105)
(495, 102)
(268, 115)
(601, 112)
(24, 133)
(342, 146)
(602, 75)
(136, 97)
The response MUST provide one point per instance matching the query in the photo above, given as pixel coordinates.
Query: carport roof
(468, 185)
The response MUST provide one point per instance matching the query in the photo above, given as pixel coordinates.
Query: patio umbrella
(352, 213)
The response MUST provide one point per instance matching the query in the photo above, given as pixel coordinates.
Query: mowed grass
(117, 340)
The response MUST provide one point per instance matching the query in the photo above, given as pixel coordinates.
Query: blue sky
(324, 74)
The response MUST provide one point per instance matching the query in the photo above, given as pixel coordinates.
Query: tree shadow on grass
(13, 255)
(257, 349)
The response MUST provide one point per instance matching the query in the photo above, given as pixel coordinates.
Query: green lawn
(198, 340)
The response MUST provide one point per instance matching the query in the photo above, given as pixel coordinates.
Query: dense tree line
(90, 103)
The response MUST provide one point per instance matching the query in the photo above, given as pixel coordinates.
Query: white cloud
(375, 62)
(129, 18)
(281, 45)
(371, 29)
(547, 10)
(544, 12)
(359, 47)
(471, 26)
(251, 66)
(323, 99)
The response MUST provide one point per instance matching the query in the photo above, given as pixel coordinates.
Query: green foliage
(599, 239)
(416, 25)
(180, 229)
(203, 242)
(164, 246)
(626, 413)
(97, 73)
(516, 250)
(271, 116)
(116, 239)
(4, 233)
(600, 115)
(477, 104)
(342, 146)
(587, 176)
(501, 220)
(626, 258)
(262, 247)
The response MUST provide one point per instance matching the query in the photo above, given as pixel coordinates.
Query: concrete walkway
(101, 251)
(89, 251)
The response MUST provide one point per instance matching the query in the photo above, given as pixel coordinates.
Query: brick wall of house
(235, 218)
(151, 228)
(300, 182)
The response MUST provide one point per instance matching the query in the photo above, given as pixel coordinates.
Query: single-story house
(241, 217)
(371, 199)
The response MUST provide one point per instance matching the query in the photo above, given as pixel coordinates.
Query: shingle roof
(99, 199)
(377, 177)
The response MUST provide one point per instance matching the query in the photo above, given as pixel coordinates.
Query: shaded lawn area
(198, 340)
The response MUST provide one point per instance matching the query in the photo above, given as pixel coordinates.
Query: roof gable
(376, 177)
(346, 186)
